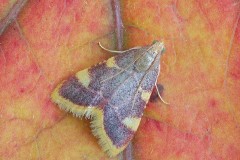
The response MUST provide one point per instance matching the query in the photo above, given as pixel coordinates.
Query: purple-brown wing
(114, 94)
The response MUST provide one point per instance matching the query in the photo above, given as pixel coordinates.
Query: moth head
(158, 47)
(153, 52)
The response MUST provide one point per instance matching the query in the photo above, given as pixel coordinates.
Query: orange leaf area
(200, 72)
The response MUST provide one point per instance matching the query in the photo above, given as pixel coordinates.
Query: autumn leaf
(51, 40)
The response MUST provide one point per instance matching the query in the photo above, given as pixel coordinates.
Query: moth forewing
(114, 93)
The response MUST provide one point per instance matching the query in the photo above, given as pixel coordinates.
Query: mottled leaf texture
(48, 41)
(114, 93)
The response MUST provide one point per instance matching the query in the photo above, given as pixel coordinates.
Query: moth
(113, 94)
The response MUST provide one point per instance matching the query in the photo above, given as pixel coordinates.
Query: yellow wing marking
(111, 63)
(84, 77)
(145, 95)
(132, 122)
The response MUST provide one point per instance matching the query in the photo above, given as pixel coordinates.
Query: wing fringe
(96, 116)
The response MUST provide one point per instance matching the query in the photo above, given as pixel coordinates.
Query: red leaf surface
(200, 72)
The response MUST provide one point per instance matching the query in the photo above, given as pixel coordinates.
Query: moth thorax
(145, 62)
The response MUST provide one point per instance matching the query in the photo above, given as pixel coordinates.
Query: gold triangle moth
(113, 94)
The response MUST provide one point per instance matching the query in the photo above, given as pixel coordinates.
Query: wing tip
(104, 141)
(65, 104)
(97, 124)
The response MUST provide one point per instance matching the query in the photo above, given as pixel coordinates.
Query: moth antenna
(159, 95)
(114, 51)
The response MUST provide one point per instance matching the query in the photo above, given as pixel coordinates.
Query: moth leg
(159, 95)
(114, 51)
